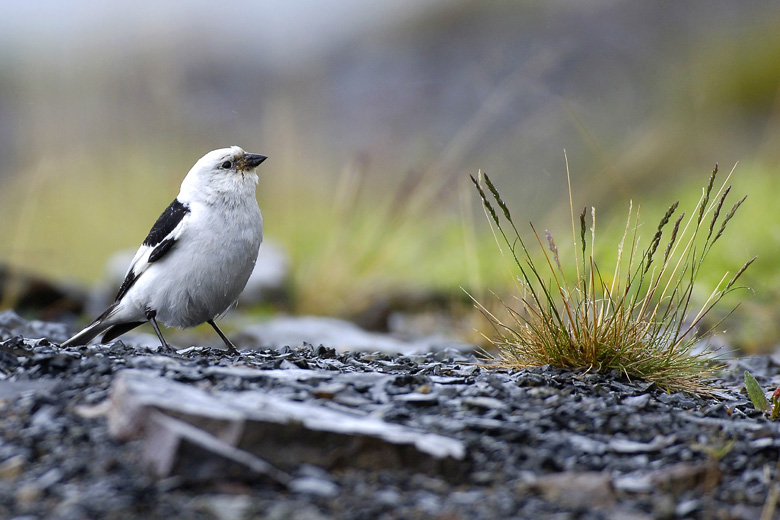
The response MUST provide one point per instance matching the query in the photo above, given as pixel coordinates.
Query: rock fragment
(11, 468)
(178, 421)
(269, 279)
(339, 334)
(578, 490)
(11, 390)
(629, 447)
(174, 447)
(687, 476)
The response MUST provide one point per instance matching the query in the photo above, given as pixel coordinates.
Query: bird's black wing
(130, 279)
(167, 223)
(159, 241)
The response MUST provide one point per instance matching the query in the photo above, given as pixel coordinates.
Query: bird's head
(224, 170)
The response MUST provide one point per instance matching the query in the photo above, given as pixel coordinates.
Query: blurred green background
(373, 114)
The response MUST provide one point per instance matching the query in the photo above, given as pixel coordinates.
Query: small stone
(389, 497)
(466, 497)
(28, 494)
(485, 403)
(686, 507)
(628, 513)
(294, 511)
(678, 399)
(620, 387)
(92, 411)
(744, 512)
(424, 389)
(224, 507)
(314, 486)
(629, 447)
(11, 390)
(10, 319)
(584, 490)
(328, 391)
(45, 418)
(587, 445)
(684, 476)
(760, 444)
(49, 478)
(637, 401)
(663, 507)
(11, 468)
(417, 399)
(642, 483)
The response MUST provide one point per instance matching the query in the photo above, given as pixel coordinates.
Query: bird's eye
(227, 165)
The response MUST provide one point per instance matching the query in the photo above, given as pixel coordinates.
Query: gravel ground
(541, 443)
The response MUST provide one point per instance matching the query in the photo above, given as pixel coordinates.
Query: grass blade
(756, 394)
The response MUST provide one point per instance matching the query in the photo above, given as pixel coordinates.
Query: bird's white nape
(211, 179)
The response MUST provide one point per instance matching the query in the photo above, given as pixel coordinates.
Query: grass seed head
(485, 201)
(739, 273)
(673, 238)
(706, 195)
(728, 217)
(497, 196)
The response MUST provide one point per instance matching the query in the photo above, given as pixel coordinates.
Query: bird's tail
(92, 330)
(85, 336)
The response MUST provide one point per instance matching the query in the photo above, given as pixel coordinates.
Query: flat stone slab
(283, 432)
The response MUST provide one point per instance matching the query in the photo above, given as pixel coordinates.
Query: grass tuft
(638, 320)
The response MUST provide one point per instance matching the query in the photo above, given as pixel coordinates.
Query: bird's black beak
(251, 160)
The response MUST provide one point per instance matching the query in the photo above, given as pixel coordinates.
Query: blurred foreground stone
(269, 280)
(11, 324)
(200, 435)
(339, 334)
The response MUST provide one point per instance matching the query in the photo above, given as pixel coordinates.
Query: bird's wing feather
(167, 223)
(160, 240)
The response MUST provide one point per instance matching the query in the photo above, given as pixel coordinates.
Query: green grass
(64, 219)
(637, 317)
(353, 246)
(350, 242)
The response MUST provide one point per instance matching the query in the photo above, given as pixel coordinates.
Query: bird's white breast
(209, 265)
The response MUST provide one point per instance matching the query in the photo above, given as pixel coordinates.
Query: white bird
(198, 256)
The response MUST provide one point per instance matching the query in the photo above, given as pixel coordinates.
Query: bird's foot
(168, 349)
(231, 349)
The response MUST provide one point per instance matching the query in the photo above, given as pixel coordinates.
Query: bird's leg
(231, 348)
(150, 315)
